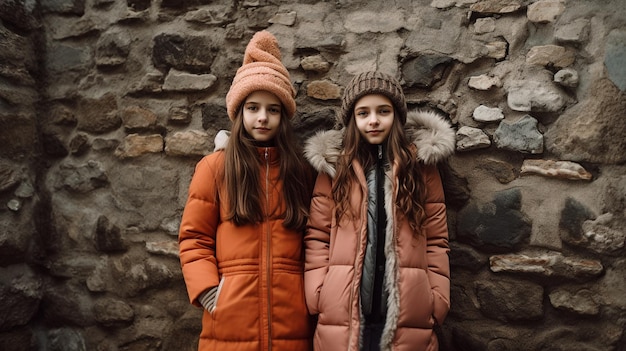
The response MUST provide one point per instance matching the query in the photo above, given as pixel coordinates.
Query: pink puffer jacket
(419, 291)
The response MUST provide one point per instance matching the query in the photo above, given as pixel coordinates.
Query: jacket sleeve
(437, 243)
(196, 238)
(317, 241)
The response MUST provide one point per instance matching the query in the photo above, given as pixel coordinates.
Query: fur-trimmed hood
(429, 131)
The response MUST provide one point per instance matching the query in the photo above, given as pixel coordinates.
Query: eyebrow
(258, 103)
(378, 106)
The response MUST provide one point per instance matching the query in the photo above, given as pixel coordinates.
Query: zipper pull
(380, 151)
(266, 154)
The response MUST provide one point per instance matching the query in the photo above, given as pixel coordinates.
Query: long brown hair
(241, 176)
(410, 185)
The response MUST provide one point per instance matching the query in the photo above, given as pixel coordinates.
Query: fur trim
(221, 140)
(429, 131)
(322, 150)
(391, 271)
(432, 134)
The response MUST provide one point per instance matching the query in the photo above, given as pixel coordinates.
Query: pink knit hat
(261, 70)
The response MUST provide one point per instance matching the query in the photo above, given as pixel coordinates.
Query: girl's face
(261, 115)
(374, 115)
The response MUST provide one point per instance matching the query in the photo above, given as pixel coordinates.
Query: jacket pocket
(217, 296)
(416, 299)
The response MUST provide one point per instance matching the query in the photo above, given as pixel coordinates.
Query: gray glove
(207, 298)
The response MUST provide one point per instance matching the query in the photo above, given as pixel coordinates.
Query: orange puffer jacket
(258, 268)
(417, 266)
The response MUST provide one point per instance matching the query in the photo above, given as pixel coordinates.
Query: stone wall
(106, 106)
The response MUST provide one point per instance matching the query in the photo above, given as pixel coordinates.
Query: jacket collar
(429, 132)
(265, 153)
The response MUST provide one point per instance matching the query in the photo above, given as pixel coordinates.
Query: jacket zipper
(268, 249)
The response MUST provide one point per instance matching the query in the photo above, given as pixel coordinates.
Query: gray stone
(576, 32)
(68, 304)
(20, 291)
(185, 53)
(466, 257)
(521, 136)
(112, 312)
(484, 25)
(544, 11)
(188, 143)
(25, 190)
(259, 17)
(592, 125)
(61, 58)
(550, 56)
(424, 71)
(615, 58)
(214, 116)
(510, 300)
(79, 265)
(167, 248)
(470, 138)
(484, 113)
(79, 144)
(9, 175)
(495, 226)
(134, 277)
(530, 95)
(98, 115)
(82, 178)
(108, 237)
(287, 18)
(136, 117)
(70, 28)
(215, 15)
(187, 82)
(572, 217)
(580, 302)
(112, 48)
(599, 235)
(73, 7)
(179, 115)
(376, 22)
(567, 77)
(20, 14)
(315, 63)
(484, 82)
(501, 170)
(17, 51)
(65, 339)
(495, 6)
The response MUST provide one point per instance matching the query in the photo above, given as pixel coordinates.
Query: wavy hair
(400, 153)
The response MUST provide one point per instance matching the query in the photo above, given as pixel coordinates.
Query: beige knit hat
(261, 70)
(373, 83)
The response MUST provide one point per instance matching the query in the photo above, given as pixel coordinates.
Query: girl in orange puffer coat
(241, 233)
(377, 269)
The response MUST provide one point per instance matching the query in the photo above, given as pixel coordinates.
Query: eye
(275, 110)
(251, 108)
(361, 113)
(385, 111)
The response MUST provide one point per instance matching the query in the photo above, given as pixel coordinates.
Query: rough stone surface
(107, 105)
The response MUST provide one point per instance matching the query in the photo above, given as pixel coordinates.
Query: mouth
(375, 132)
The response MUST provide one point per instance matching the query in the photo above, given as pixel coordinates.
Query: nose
(262, 116)
(373, 118)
